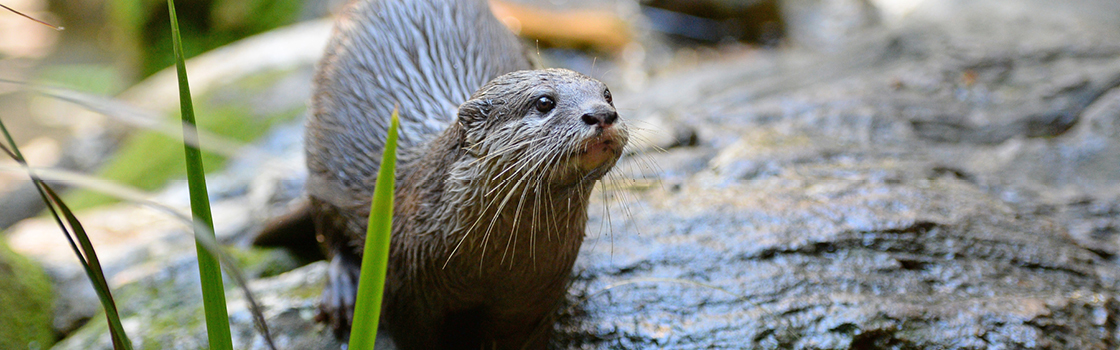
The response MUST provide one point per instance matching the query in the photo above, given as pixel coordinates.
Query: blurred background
(108, 46)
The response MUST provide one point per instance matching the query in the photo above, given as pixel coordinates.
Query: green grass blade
(93, 268)
(375, 257)
(213, 291)
(87, 257)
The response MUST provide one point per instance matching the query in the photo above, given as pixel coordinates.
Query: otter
(492, 186)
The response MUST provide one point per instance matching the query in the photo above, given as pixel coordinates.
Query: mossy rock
(27, 300)
(164, 311)
(265, 262)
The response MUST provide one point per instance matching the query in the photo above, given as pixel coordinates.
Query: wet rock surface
(947, 180)
(862, 251)
(950, 184)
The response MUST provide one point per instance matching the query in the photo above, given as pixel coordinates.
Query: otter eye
(545, 104)
(607, 96)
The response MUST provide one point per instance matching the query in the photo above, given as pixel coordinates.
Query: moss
(96, 79)
(164, 308)
(264, 262)
(308, 291)
(27, 300)
(184, 326)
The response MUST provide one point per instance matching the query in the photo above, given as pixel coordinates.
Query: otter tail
(293, 230)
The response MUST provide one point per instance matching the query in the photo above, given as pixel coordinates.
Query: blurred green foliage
(26, 300)
(147, 160)
(92, 78)
(143, 39)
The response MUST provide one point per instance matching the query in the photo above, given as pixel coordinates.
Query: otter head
(553, 126)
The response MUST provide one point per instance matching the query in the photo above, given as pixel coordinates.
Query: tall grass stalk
(33, 19)
(209, 270)
(87, 257)
(375, 254)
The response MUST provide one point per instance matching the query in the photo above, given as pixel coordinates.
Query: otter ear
(474, 112)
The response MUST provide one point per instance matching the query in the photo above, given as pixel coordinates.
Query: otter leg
(337, 304)
(524, 333)
(334, 232)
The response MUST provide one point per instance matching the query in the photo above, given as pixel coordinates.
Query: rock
(291, 301)
(124, 237)
(951, 183)
(163, 310)
(861, 249)
(138, 244)
(26, 298)
(828, 24)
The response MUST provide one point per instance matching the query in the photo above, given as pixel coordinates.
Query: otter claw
(337, 306)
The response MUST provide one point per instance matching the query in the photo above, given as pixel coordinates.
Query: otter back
(425, 56)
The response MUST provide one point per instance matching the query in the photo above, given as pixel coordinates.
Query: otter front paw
(337, 305)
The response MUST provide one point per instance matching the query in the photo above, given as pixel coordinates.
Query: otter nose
(601, 117)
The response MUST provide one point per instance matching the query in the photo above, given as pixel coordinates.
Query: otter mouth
(599, 150)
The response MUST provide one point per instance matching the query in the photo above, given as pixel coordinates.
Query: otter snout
(605, 144)
(602, 116)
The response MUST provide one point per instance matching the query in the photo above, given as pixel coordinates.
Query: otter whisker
(517, 212)
(610, 224)
(544, 191)
(512, 145)
(536, 214)
(483, 184)
(508, 195)
(624, 197)
(516, 167)
(502, 185)
(537, 174)
(556, 158)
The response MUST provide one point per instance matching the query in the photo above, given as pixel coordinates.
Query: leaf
(209, 270)
(375, 256)
(86, 254)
